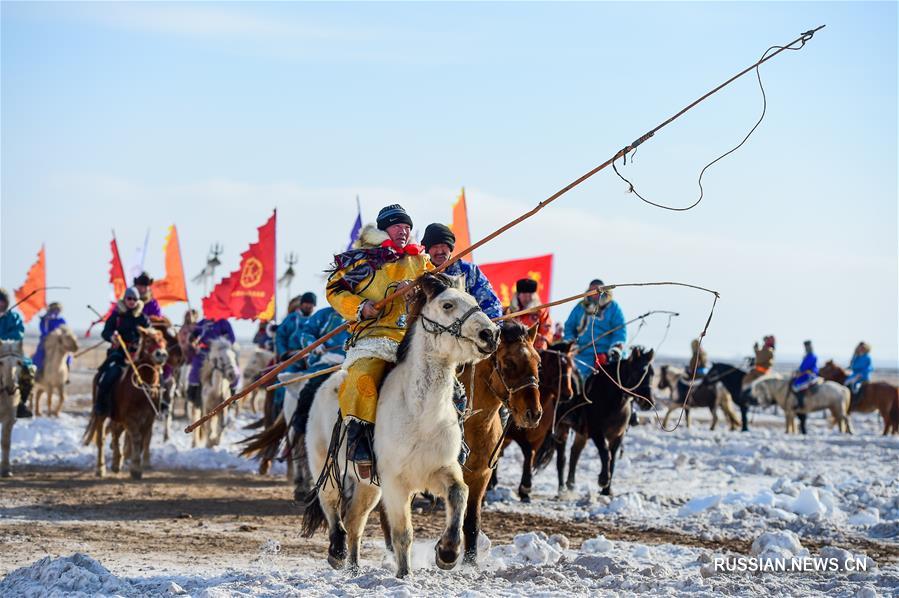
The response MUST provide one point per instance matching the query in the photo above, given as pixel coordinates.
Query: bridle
(453, 329)
(529, 382)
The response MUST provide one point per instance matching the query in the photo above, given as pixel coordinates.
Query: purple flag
(357, 226)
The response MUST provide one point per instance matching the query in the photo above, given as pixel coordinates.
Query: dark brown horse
(173, 364)
(873, 396)
(556, 383)
(135, 404)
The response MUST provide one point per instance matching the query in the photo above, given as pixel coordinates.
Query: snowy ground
(681, 500)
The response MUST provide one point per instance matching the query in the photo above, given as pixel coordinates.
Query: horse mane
(562, 347)
(415, 303)
(512, 331)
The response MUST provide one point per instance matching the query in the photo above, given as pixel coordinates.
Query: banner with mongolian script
(248, 293)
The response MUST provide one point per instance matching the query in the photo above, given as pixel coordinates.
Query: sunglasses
(130, 299)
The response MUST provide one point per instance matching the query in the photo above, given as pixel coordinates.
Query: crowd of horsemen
(382, 260)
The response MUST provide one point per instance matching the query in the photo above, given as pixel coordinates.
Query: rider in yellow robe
(384, 262)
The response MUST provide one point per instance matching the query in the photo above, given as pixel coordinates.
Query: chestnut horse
(135, 404)
(510, 378)
(556, 384)
(874, 396)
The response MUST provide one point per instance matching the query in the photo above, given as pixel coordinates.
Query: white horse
(259, 359)
(10, 365)
(218, 373)
(58, 345)
(828, 395)
(417, 437)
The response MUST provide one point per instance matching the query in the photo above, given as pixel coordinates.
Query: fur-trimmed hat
(437, 233)
(393, 214)
(143, 280)
(309, 297)
(526, 285)
(55, 306)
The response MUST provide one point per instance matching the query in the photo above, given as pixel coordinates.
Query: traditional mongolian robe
(477, 285)
(808, 372)
(861, 367)
(206, 331)
(316, 326)
(595, 329)
(49, 323)
(371, 273)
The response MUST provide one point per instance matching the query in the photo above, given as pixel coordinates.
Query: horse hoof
(607, 491)
(526, 498)
(470, 558)
(336, 563)
(402, 573)
(136, 475)
(446, 557)
(100, 473)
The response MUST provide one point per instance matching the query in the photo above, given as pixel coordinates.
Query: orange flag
(35, 282)
(460, 226)
(248, 293)
(172, 288)
(504, 275)
(116, 271)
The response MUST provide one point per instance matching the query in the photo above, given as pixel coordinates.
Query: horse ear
(432, 286)
(649, 354)
(532, 332)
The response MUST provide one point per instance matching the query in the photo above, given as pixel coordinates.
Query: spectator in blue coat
(861, 367)
(440, 242)
(12, 328)
(597, 326)
(806, 375)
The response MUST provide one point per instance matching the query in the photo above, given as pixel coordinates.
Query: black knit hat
(526, 285)
(143, 280)
(438, 233)
(4, 296)
(596, 282)
(393, 214)
(309, 297)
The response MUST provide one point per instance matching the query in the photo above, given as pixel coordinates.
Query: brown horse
(873, 396)
(135, 403)
(170, 371)
(556, 384)
(712, 396)
(510, 377)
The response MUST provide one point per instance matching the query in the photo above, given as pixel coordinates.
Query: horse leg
(456, 493)
(329, 499)
(8, 422)
(302, 477)
(602, 446)
(62, 399)
(744, 417)
(494, 479)
(396, 501)
(687, 416)
(98, 439)
(385, 527)
(471, 525)
(116, 465)
(802, 418)
(365, 498)
(36, 401)
(137, 448)
(580, 441)
(145, 453)
(524, 488)
(714, 409)
(561, 444)
(613, 454)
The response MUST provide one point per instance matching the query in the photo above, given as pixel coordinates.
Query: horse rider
(526, 297)
(384, 261)
(299, 308)
(144, 285)
(122, 324)
(50, 321)
(861, 368)
(440, 242)
(206, 331)
(806, 375)
(319, 324)
(265, 335)
(597, 326)
(12, 328)
(699, 361)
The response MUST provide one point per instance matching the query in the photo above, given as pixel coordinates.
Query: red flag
(504, 275)
(460, 226)
(172, 288)
(248, 293)
(116, 271)
(34, 284)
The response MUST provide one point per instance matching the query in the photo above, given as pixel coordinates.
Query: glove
(601, 360)
(615, 352)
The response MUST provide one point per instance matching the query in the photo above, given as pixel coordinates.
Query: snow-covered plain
(825, 495)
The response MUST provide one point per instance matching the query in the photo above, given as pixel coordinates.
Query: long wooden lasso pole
(268, 377)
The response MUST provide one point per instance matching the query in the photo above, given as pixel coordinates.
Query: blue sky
(134, 116)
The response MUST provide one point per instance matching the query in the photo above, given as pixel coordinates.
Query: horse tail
(546, 451)
(264, 445)
(256, 424)
(94, 425)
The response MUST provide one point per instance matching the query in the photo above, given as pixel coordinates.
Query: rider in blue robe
(597, 320)
(806, 375)
(861, 367)
(50, 321)
(12, 328)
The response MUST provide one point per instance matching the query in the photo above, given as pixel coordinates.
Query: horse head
(459, 331)
(65, 339)
(557, 364)
(637, 374)
(516, 364)
(222, 357)
(831, 371)
(668, 377)
(153, 346)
